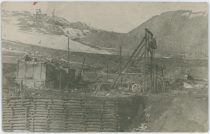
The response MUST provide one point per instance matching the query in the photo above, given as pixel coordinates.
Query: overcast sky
(115, 16)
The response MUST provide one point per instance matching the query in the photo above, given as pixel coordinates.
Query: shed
(36, 74)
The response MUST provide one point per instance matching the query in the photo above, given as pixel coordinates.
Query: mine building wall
(31, 74)
(41, 74)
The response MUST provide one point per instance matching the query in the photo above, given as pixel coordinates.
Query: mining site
(60, 75)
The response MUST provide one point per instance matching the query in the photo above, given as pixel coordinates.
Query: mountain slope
(47, 32)
(110, 41)
(178, 33)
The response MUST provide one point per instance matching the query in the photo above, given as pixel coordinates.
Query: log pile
(60, 115)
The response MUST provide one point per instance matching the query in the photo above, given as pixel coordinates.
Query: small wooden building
(36, 74)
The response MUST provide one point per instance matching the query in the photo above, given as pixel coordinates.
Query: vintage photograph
(104, 66)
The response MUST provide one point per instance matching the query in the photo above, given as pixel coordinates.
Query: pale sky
(111, 16)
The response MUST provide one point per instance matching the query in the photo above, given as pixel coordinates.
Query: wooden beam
(107, 71)
(59, 79)
(68, 54)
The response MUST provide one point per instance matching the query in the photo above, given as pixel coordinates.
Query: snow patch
(11, 31)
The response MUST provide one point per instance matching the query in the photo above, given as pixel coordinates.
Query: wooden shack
(36, 74)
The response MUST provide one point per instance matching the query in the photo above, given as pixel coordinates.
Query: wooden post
(41, 75)
(120, 65)
(82, 68)
(120, 60)
(68, 83)
(68, 54)
(33, 75)
(156, 77)
(162, 71)
(145, 62)
(107, 71)
(60, 79)
(41, 72)
(17, 69)
(25, 72)
(151, 71)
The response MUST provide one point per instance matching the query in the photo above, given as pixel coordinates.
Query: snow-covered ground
(11, 31)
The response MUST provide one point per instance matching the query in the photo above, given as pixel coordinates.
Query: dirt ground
(177, 111)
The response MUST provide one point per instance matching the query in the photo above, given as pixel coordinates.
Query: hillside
(44, 31)
(178, 33)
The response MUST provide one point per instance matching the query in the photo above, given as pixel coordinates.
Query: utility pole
(68, 53)
(59, 79)
(120, 64)
(120, 59)
(69, 77)
(107, 71)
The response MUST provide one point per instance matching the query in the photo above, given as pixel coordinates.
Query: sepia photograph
(104, 66)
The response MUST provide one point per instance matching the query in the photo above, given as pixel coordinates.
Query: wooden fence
(60, 115)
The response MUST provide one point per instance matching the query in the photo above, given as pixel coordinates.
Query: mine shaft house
(40, 74)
